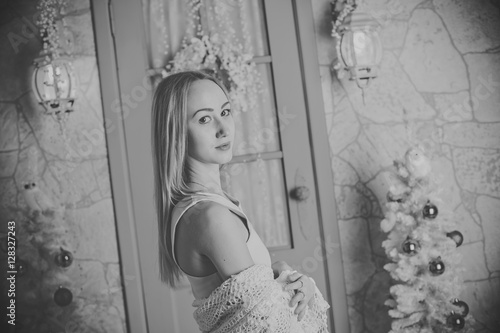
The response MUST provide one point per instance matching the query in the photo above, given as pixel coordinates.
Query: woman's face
(210, 123)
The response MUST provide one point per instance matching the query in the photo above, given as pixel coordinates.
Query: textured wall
(438, 86)
(70, 167)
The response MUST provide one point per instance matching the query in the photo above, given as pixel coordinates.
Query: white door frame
(127, 219)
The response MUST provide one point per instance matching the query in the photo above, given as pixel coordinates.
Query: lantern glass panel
(44, 81)
(62, 80)
(365, 48)
(347, 50)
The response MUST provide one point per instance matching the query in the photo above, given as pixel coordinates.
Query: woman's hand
(280, 266)
(304, 293)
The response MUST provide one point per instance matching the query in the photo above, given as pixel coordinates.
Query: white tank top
(202, 286)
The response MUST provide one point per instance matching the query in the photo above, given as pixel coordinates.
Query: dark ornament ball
(64, 258)
(455, 321)
(63, 296)
(436, 266)
(430, 211)
(464, 308)
(456, 236)
(410, 246)
(21, 267)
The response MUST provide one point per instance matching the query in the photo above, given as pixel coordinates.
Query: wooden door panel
(293, 129)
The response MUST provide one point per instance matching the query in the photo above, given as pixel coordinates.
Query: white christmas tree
(422, 244)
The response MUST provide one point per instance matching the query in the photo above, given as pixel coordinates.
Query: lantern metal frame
(54, 84)
(355, 28)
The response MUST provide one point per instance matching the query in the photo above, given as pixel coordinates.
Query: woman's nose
(222, 129)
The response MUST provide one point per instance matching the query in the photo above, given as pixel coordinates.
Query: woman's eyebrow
(205, 109)
(210, 109)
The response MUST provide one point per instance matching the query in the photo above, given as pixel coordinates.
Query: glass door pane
(245, 20)
(257, 130)
(169, 22)
(259, 185)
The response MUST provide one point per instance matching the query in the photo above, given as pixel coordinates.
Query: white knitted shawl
(253, 301)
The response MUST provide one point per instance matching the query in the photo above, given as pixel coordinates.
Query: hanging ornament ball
(64, 258)
(21, 267)
(464, 308)
(456, 236)
(63, 296)
(436, 266)
(410, 246)
(430, 211)
(456, 321)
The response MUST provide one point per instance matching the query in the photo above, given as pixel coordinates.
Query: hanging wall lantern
(359, 50)
(53, 81)
(360, 47)
(54, 84)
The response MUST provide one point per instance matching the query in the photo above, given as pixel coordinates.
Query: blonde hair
(169, 148)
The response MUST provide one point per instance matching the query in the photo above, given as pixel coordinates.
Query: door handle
(300, 193)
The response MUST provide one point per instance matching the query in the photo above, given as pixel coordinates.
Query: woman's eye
(204, 120)
(226, 112)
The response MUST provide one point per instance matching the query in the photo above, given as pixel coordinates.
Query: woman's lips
(225, 146)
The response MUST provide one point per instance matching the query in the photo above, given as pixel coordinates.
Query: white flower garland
(228, 60)
(50, 12)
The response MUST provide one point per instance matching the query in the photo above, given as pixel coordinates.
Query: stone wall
(68, 163)
(438, 86)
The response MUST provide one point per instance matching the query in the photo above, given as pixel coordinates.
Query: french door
(273, 177)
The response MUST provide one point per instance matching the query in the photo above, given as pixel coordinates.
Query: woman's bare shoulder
(207, 219)
(219, 235)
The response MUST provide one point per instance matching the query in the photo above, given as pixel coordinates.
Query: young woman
(203, 233)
